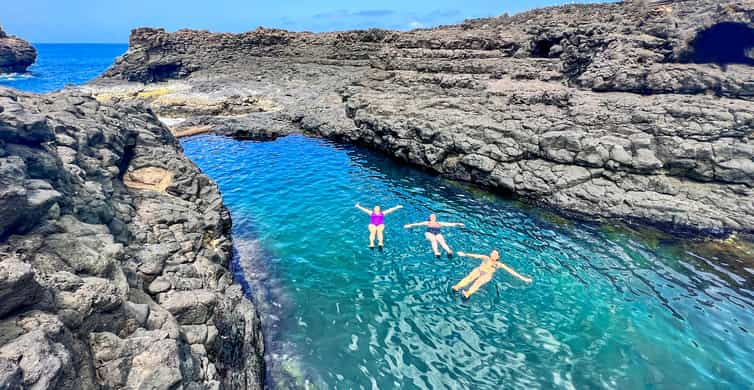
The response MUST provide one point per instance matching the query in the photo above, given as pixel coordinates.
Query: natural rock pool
(607, 308)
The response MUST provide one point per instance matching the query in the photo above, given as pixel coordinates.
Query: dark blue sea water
(61, 64)
(607, 309)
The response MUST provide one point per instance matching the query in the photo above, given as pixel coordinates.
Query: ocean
(61, 64)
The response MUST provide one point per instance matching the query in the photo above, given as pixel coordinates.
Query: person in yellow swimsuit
(483, 274)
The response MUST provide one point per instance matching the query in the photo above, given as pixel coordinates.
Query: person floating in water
(377, 222)
(483, 274)
(433, 234)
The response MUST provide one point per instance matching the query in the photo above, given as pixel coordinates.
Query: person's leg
(441, 240)
(468, 279)
(372, 232)
(433, 241)
(380, 238)
(481, 281)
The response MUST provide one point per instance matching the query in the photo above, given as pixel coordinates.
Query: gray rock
(189, 307)
(140, 312)
(17, 286)
(146, 359)
(195, 334)
(157, 368)
(160, 284)
(618, 88)
(239, 326)
(10, 375)
(79, 247)
(15, 54)
(40, 360)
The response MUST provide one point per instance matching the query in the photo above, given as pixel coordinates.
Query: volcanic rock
(639, 111)
(15, 54)
(79, 247)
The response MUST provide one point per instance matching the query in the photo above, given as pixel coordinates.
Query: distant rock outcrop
(15, 54)
(639, 110)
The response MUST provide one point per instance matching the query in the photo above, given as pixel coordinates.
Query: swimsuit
(485, 269)
(435, 230)
(377, 219)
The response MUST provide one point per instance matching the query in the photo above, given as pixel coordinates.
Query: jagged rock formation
(633, 110)
(106, 281)
(15, 54)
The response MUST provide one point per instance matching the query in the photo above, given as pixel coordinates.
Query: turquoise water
(606, 309)
(59, 64)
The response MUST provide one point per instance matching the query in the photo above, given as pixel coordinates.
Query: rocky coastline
(115, 248)
(635, 111)
(114, 255)
(15, 54)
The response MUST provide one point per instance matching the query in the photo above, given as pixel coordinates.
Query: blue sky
(111, 21)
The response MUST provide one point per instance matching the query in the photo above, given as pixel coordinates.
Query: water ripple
(606, 309)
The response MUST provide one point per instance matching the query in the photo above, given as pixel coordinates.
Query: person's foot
(450, 255)
(455, 288)
(466, 294)
(371, 246)
(437, 254)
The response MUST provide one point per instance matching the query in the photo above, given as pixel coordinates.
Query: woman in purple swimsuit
(377, 222)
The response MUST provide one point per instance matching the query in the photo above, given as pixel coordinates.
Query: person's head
(432, 218)
(377, 209)
(494, 255)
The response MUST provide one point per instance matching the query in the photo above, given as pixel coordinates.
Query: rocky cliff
(635, 110)
(15, 54)
(113, 255)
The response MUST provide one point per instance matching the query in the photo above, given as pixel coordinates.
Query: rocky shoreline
(114, 254)
(114, 247)
(15, 54)
(625, 111)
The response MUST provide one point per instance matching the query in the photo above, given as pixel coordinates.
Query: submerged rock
(15, 54)
(637, 110)
(89, 225)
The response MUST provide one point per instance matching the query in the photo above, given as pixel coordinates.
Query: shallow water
(59, 64)
(606, 309)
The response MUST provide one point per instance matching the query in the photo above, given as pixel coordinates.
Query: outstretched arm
(362, 208)
(473, 255)
(410, 225)
(514, 273)
(388, 211)
(452, 224)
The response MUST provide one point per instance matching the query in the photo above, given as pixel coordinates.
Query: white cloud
(416, 24)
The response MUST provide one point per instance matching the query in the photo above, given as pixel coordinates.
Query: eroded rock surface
(114, 250)
(633, 110)
(15, 54)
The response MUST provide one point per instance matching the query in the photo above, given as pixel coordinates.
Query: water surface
(59, 64)
(606, 310)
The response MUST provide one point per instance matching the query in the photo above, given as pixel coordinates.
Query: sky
(93, 21)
